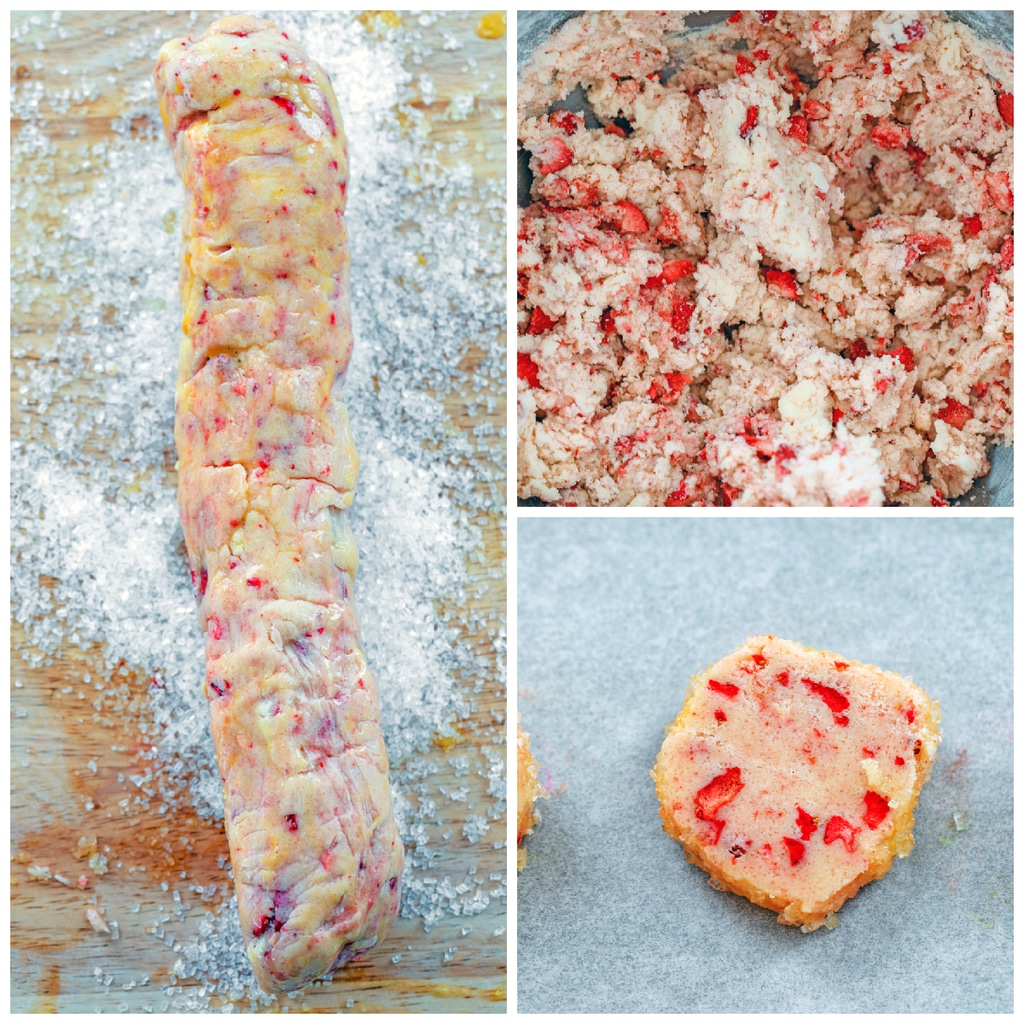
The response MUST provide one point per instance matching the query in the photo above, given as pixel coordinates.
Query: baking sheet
(614, 616)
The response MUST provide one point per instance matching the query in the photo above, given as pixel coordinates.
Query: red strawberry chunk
(677, 499)
(888, 135)
(540, 321)
(795, 849)
(797, 128)
(765, 16)
(905, 355)
(633, 220)
(1006, 253)
(955, 413)
(615, 129)
(682, 311)
(553, 155)
(921, 244)
(526, 369)
(914, 31)
(673, 270)
(781, 282)
(715, 795)
(816, 110)
(806, 823)
(839, 829)
(565, 120)
(744, 65)
(998, 186)
(972, 226)
(750, 123)
(876, 809)
(1004, 101)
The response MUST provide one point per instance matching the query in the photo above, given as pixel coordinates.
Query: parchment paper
(614, 617)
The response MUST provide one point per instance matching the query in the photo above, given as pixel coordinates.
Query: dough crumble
(769, 263)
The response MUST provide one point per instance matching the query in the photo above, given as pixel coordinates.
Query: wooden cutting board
(75, 747)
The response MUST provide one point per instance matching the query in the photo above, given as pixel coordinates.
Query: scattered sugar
(97, 549)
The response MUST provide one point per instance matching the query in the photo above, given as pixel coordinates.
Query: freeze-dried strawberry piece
(816, 110)
(733, 18)
(1006, 253)
(914, 30)
(762, 55)
(565, 120)
(526, 369)
(795, 849)
(630, 218)
(921, 244)
(972, 225)
(715, 795)
(744, 65)
(624, 445)
(673, 270)
(784, 454)
(608, 321)
(682, 311)
(781, 282)
(998, 186)
(797, 128)
(766, 16)
(1004, 101)
(834, 700)
(750, 122)
(729, 690)
(839, 829)
(904, 354)
(807, 824)
(876, 807)
(614, 129)
(955, 413)
(553, 155)
(858, 349)
(540, 321)
(677, 499)
(889, 135)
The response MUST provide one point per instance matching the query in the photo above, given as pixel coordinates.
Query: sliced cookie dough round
(528, 787)
(791, 775)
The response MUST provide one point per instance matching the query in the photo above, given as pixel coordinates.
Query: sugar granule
(97, 551)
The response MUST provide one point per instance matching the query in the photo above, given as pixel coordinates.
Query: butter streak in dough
(267, 469)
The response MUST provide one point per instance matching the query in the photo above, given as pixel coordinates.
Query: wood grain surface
(75, 746)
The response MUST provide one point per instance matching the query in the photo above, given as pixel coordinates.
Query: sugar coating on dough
(791, 775)
(773, 265)
(528, 788)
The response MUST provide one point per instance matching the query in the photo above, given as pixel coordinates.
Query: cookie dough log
(791, 775)
(267, 469)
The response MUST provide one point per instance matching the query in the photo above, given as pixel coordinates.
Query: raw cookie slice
(527, 787)
(791, 775)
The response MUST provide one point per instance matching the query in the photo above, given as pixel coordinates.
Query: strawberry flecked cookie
(791, 775)
(769, 263)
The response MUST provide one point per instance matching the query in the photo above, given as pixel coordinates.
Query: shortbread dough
(773, 265)
(791, 775)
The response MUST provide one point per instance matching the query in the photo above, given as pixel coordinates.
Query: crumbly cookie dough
(773, 266)
(791, 775)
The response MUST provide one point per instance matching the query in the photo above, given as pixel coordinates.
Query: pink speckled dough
(791, 775)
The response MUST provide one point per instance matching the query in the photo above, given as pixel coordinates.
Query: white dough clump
(770, 264)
